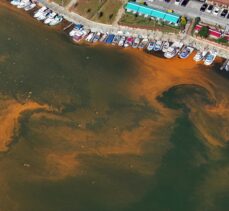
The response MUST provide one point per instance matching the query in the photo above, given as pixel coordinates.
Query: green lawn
(98, 10)
(142, 22)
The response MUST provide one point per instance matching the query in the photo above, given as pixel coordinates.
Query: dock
(223, 51)
(68, 26)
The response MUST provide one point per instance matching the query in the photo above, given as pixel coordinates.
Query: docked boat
(200, 55)
(186, 52)
(143, 43)
(15, 2)
(129, 42)
(227, 66)
(90, 36)
(58, 19)
(96, 37)
(110, 38)
(23, 4)
(136, 42)
(30, 6)
(77, 27)
(79, 35)
(210, 57)
(44, 15)
(122, 41)
(103, 37)
(116, 39)
(165, 46)
(150, 46)
(50, 17)
(173, 50)
(39, 12)
(158, 45)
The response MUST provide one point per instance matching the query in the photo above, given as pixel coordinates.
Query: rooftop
(149, 11)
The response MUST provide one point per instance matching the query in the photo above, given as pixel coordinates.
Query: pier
(198, 43)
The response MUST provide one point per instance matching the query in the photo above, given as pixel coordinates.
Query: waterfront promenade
(198, 43)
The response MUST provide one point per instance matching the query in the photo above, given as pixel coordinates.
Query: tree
(222, 40)
(204, 32)
(183, 21)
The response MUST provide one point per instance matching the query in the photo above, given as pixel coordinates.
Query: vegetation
(103, 11)
(222, 40)
(130, 19)
(183, 22)
(204, 32)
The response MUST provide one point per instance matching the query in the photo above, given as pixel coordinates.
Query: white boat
(50, 17)
(136, 42)
(56, 20)
(227, 66)
(116, 39)
(158, 45)
(89, 38)
(79, 35)
(103, 37)
(210, 57)
(23, 4)
(186, 52)
(30, 7)
(96, 37)
(173, 50)
(165, 46)
(44, 15)
(39, 12)
(122, 41)
(143, 43)
(199, 56)
(15, 2)
(150, 46)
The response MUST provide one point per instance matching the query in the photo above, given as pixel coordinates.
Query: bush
(222, 40)
(204, 32)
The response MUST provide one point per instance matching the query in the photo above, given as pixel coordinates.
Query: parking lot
(192, 9)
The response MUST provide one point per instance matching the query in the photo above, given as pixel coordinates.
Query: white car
(177, 2)
(216, 11)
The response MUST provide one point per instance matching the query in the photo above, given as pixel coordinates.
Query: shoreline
(197, 43)
(60, 27)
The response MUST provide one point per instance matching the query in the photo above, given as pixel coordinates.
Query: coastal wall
(199, 44)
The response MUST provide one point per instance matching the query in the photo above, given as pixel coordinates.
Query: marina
(79, 32)
(95, 126)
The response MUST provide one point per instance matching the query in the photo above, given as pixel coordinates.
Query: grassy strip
(130, 19)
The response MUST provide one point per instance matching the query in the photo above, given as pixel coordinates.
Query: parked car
(224, 13)
(216, 11)
(177, 2)
(228, 16)
(184, 3)
(210, 8)
(203, 7)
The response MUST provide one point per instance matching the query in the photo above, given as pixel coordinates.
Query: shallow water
(97, 128)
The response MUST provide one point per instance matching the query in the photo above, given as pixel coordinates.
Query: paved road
(191, 10)
(95, 26)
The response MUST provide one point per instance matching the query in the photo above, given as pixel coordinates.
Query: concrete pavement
(95, 26)
(191, 10)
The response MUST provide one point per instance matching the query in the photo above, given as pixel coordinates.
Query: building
(220, 2)
(152, 13)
